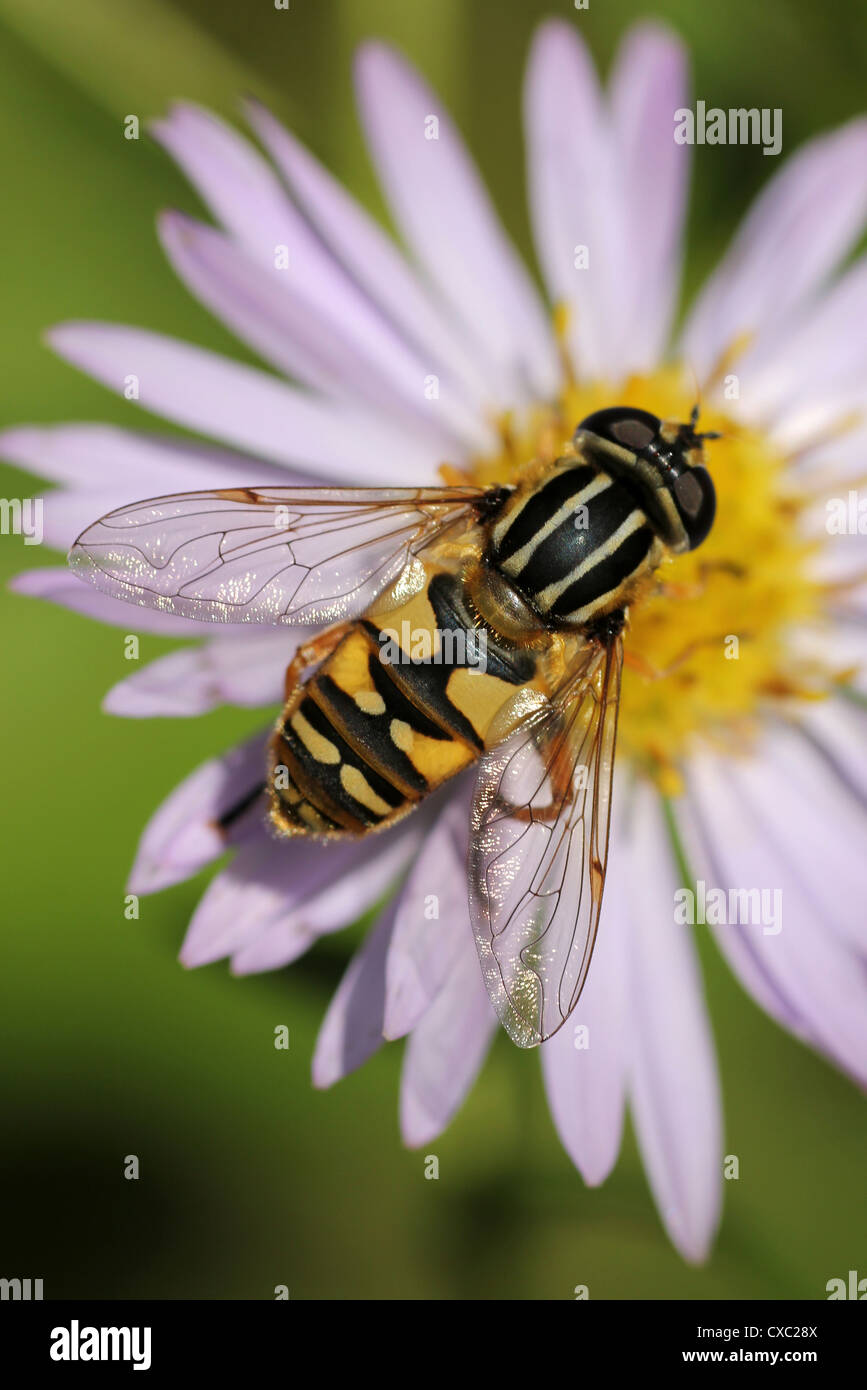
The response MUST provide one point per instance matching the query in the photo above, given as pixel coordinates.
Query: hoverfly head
(662, 461)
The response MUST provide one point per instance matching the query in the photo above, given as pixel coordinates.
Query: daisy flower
(743, 768)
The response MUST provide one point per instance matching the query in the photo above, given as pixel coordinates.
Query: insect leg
(454, 477)
(309, 653)
(666, 588)
(638, 663)
(562, 786)
(234, 813)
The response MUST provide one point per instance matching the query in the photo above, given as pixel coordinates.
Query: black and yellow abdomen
(402, 703)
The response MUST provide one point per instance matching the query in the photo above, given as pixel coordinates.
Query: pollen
(709, 644)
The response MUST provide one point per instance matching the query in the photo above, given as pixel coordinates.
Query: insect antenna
(696, 411)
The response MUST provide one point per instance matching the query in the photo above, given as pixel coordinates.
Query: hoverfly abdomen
(322, 783)
(400, 705)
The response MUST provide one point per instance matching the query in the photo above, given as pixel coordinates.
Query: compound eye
(695, 499)
(625, 425)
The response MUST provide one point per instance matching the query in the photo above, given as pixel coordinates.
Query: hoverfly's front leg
(311, 653)
(556, 660)
(667, 588)
(560, 775)
(638, 663)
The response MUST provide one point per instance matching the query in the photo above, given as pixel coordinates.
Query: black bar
(243, 1337)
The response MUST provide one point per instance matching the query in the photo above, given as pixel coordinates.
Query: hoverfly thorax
(577, 539)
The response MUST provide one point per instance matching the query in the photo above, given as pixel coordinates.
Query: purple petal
(852, 606)
(838, 731)
(820, 416)
(446, 217)
(66, 513)
(97, 457)
(262, 312)
(289, 882)
(357, 879)
(282, 321)
(575, 197)
(822, 353)
(184, 834)
(247, 407)
(804, 974)
(247, 197)
(236, 183)
(65, 588)
(649, 82)
(263, 878)
(831, 459)
(674, 1088)
(246, 669)
(361, 245)
(352, 1028)
(837, 644)
(445, 1051)
(821, 833)
(584, 1065)
(422, 948)
(798, 229)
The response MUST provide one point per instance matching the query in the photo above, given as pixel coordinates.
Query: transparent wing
(266, 555)
(538, 849)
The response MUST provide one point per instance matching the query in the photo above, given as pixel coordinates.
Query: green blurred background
(248, 1177)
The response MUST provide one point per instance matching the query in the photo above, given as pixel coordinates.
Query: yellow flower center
(710, 643)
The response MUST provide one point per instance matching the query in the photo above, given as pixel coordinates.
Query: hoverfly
(543, 571)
